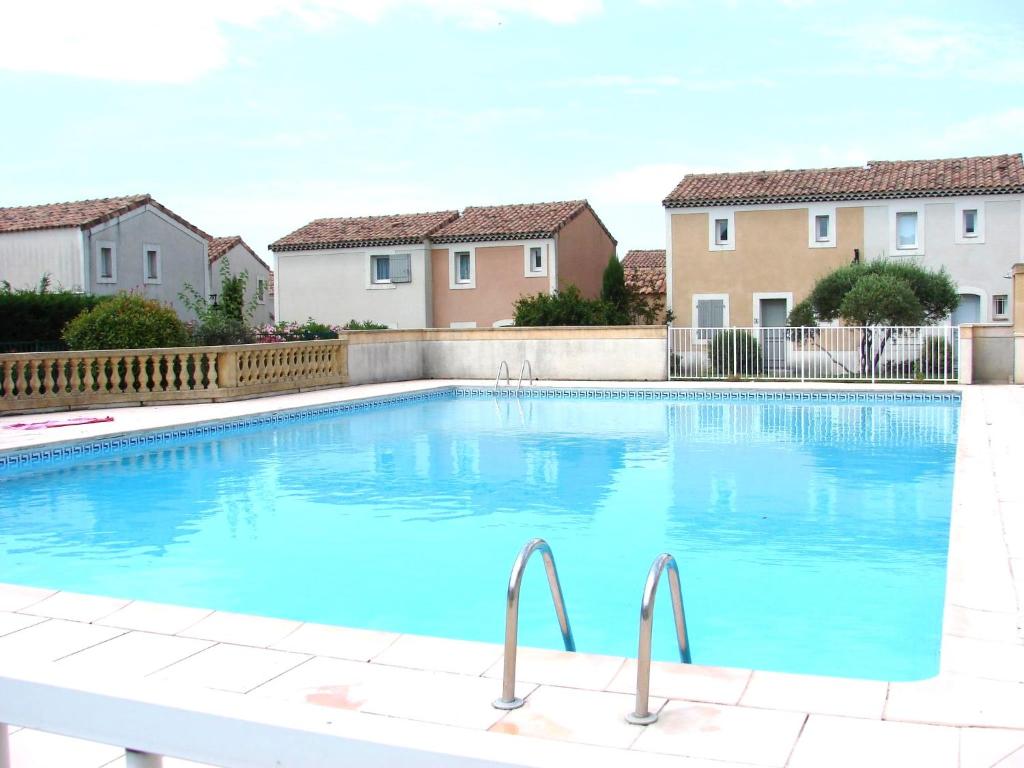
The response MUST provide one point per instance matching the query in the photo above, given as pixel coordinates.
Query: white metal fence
(840, 353)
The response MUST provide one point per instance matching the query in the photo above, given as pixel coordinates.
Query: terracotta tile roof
(645, 272)
(221, 245)
(81, 213)
(524, 221)
(880, 179)
(396, 229)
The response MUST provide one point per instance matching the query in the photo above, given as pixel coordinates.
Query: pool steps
(663, 563)
(508, 699)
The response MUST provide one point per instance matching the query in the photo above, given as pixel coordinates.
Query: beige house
(439, 270)
(242, 258)
(744, 248)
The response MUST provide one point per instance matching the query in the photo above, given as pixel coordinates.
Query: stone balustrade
(80, 379)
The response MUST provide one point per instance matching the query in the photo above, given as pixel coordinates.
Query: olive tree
(885, 294)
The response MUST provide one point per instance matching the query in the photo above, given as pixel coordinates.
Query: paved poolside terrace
(389, 685)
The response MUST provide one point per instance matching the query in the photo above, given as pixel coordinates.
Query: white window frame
(1005, 314)
(146, 248)
(693, 310)
(813, 212)
(374, 258)
(729, 214)
(453, 282)
(969, 204)
(906, 207)
(528, 270)
(98, 252)
(756, 304)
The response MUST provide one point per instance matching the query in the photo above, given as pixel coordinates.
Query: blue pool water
(811, 536)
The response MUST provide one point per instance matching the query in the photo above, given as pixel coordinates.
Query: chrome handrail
(642, 714)
(508, 698)
(508, 377)
(526, 365)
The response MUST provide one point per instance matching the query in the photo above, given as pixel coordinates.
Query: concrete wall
(977, 265)
(380, 356)
(334, 286)
(241, 260)
(992, 354)
(771, 255)
(26, 256)
(630, 353)
(583, 252)
(182, 257)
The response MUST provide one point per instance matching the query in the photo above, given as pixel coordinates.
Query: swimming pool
(811, 531)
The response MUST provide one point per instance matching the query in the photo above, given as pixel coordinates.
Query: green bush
(126, 321)
(935, 359)
(365, 325)
(734, 352)
(37, 318)
(566, 307)
(219, 328)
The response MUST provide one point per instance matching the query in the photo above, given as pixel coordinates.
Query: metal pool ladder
(508, 378)
(525, 367)
(642, 715)
(508, 698)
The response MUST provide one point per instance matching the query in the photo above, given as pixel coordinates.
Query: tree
(613, 284)
(882, 293)
(227, 321)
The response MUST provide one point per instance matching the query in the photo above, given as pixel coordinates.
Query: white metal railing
(831, 353)
(150, 720)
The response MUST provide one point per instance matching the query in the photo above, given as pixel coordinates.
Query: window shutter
(710, 313)
(401, 268)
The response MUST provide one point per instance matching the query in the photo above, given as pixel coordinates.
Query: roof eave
(816, 197)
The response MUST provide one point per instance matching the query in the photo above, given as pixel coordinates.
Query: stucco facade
(467, 270)
(144, 250)
(336, 285)
(752, 243)
(771, 258)
(181, 260)
(583, 248)
(26, 256)
(978, 264)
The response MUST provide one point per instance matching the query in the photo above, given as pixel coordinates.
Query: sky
(254, 117)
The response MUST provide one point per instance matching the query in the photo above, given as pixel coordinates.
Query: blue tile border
(714, 394)
(107, 445)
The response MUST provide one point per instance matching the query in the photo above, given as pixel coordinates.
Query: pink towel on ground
(65, 423)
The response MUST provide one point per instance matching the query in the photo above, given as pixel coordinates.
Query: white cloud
(649, 84)
(928, 48)
(178, 42)
(984, 134)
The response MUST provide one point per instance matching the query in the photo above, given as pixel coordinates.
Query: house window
(821, 228)
(151, 263)
(721, 231)
(381, 269)
(536, 259)
(970, 222)
(463, 267)
(710, 315)
(906, 229)
(106, 262)
(1000, 303)
(261, 291)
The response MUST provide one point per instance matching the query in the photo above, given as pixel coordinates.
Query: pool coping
(974, 706)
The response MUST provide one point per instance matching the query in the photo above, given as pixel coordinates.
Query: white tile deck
(972, 714)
